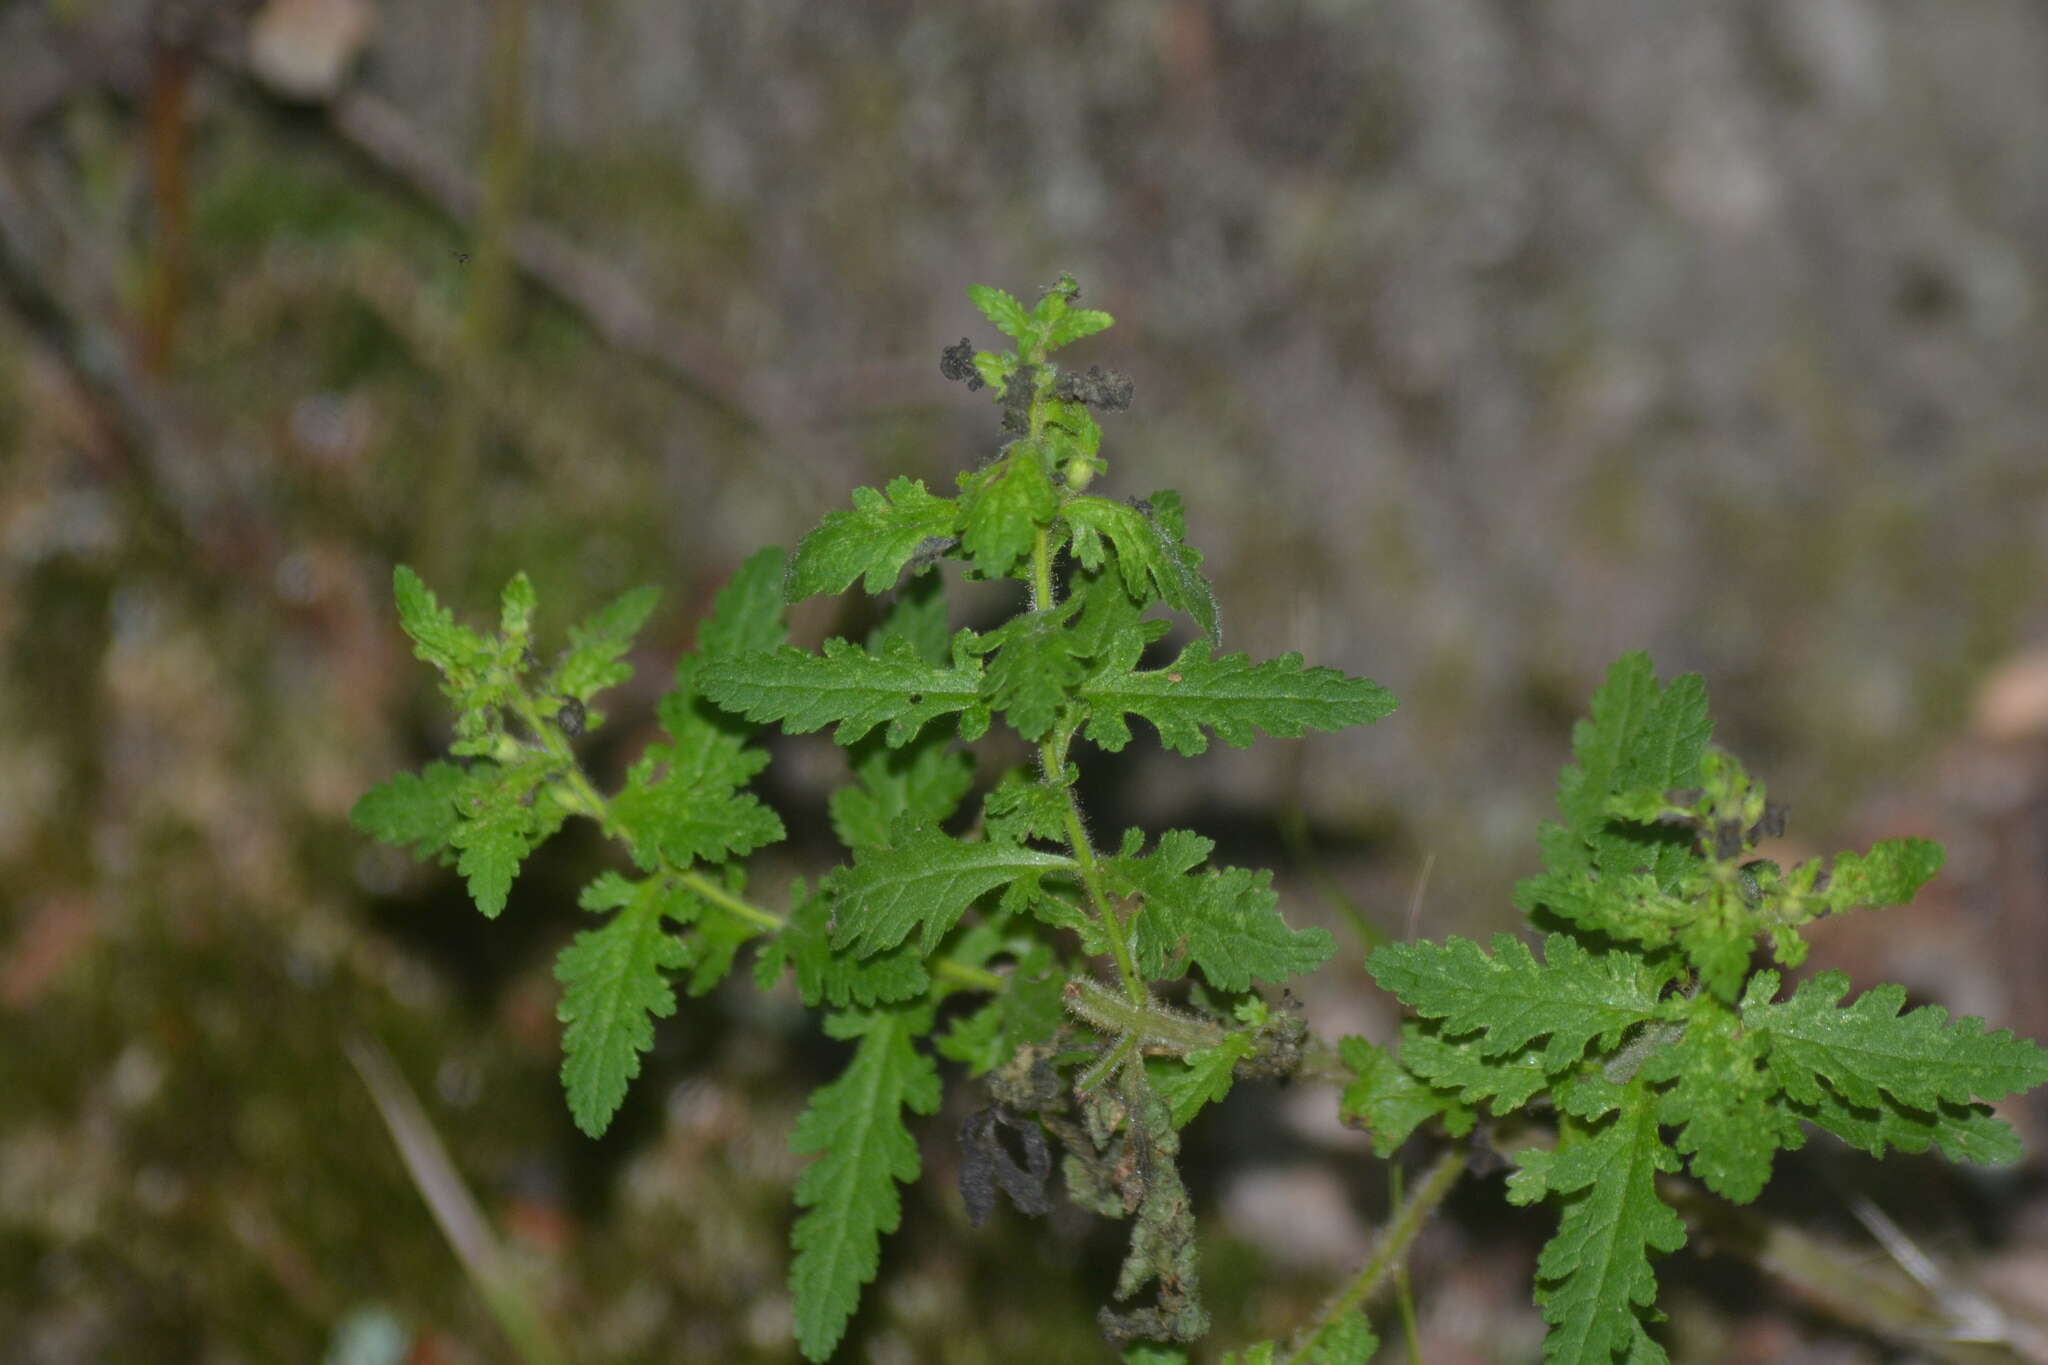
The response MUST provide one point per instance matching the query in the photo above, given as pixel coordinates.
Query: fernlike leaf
(1573, 996)
(1868, 1048)
(1891, 873)
(454, 649)
(855, 1125)
(1029, 1010)
(838, 979)
(597, 649)
(1108, 629)
(1157, 563)
(1594, 1281)
(1034, 668)
(917, 617)
(747, 615)
(1232, 696)
(614, 985)
(852, 687)
(1725, 1104)
(1459, 1068)
(920, 783)
(928, 879)
(873, 541)
(1227, 920)
(1003, 507)
(1074, 324)
(1387, 1099)
(715, 940)
(682, 799)
(506, 811)
(479, 676)
(516, 606)
(1002, 309)
(1964, 1132)
(1640, 738)
(1203, 1077)
(1022, 807)
(1639, 735)
(413, 809)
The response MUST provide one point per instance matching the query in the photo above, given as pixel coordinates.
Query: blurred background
(1485, 341)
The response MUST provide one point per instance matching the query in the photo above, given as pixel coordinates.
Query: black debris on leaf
(1099, 388)
(1017, 399)
(957, 363)
(987, 1165)
(1722, 838)
(570, 719)
(931, 550)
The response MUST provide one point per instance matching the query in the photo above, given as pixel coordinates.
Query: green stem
(1106, 1066)
(1041, 569)
(1400, 1234)
(1052, 752)
(979, 978)
(1091, 880)
(706, 889)
(1153, 1025)
(1052, 759)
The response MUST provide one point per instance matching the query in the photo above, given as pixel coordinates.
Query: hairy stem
(1052, 759)
(1400, 1234)
(1156, 1027)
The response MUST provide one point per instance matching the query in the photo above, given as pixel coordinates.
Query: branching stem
(586, 799)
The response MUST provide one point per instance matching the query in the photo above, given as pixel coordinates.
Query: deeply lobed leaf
(682, 799)
(505, 810)
(1725, 1103)
(1226, 920)
(1203, 1077)
(1461, 1068)
(927, 880)
(1573, 996)
(1866, 1048)
(851, 687)
(1034, 670)
(747, 613)
(1388, 1100)
(613, 987)
(1027, 1012)
(1640, 738)
(415, 809)
(1002, 309)
(920, 783)
(454, 649)
(1157, 564)
(1232, 696)
(872, 542)
(824, 976)
(597, 648)
(1004, 507)
(1594, 1281)
(855, 1126)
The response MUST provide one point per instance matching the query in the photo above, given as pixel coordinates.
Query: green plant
(1009, 943)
